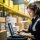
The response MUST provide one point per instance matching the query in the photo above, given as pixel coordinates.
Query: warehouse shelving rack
(12, 11)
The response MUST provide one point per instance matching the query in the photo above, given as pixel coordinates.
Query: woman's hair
(34, 7)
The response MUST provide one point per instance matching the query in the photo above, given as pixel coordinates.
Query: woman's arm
(38, 30)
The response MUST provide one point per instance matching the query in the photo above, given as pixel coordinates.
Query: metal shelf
(12, 11)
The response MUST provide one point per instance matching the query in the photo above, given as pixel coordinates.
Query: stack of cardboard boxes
(3, 32)
(3, 35)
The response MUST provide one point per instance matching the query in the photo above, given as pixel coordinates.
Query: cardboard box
(19, 23)
(0, 29)
(3, 35)
(2, 19)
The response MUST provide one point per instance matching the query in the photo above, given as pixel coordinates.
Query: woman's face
(31, 12)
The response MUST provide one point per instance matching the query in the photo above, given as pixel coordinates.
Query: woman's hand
(27, 34)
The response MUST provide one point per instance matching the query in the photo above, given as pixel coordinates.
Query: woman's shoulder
(38, 21)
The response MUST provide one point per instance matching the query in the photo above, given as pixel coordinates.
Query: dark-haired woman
(34, 28)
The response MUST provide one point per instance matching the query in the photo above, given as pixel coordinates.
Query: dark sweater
(37, 27)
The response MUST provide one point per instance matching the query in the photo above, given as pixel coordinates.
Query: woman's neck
(34, 17)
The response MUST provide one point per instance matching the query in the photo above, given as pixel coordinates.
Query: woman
(34, 28)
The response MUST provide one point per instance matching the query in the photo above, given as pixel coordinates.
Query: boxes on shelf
(2, 19)
(1, 1)
(15, 7)
(3, 26)
(11, 3)
(22, 8)
(2, 23)
(7, 2)
(3, 35)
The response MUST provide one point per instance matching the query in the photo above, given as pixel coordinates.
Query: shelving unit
(7, 6)
(12, 11)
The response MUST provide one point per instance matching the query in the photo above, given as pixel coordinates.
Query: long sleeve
(38, 30)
